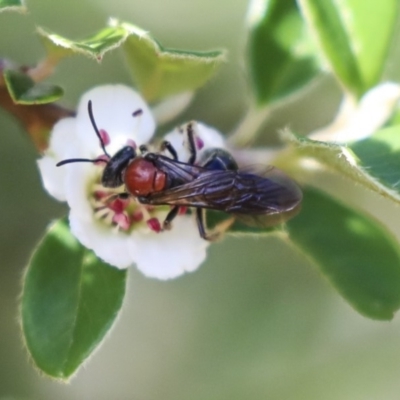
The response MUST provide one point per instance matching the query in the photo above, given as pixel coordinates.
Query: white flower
(121, 231)
(205, 137)
(358, 120)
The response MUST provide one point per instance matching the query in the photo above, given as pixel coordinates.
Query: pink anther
(182, 210)
(199, 143)
(122, 221)
(131, 143)
(105, 137)
(102, 160)
(154, 224)
(118, 205)
(137, 216)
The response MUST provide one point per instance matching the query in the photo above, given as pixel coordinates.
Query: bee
(212, 181)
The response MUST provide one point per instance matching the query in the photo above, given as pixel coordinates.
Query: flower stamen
(154, 224)
(131, 143)
(199, 143)
(182, 210)
(104, 136)
(122, 221)
(137, 216)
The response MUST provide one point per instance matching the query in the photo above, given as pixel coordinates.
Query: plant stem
(248, 128)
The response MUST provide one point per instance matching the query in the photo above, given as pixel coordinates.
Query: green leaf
(354, 36)
(160, 72)
(12, 5)
(70, 301)
(23, 90)
(379, 154)
(394, 119)
(281, 60)
(359, 257)
(373, 162)
(93, 47)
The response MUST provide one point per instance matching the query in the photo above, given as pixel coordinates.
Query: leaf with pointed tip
(281, 60)
(38, 120)
(357, 255)
(160, 72)
(12, 5)
(70, 301)
(93, 47)
(373, 162)
(23, 90)
(354, 36)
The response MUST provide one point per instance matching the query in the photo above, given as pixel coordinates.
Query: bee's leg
(201, 225)
(217, 232)
(170, 217)
(192, 144)
(168, 146)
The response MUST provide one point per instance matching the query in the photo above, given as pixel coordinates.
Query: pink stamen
(122, 221)
(199, 143)
(99, 194)
(105, 138)
(118, 205)
(182, 210)
(154, 224)
(137, 216)
(150, 208)
(131, 143)
(102, 160)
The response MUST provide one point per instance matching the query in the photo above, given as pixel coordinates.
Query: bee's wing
(275, 198)
(178, 172)
(210, 189)
(251, 197)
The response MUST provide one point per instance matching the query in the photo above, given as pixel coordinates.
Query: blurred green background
(256, 321)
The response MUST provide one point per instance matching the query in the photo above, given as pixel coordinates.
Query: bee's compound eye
(218, 159)
(113, 172)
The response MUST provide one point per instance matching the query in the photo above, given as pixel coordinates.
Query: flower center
(114, 207)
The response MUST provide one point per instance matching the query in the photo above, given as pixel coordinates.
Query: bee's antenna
(72, 160)
(90, 110)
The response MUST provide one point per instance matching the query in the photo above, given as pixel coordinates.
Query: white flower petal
(53, 178)
(177, 138)
(374, 109)
(358, 121)
(171, 107)
(62, 139)
(77, 181)
(110, 245)
(209, 137)
(113, 106)
(168, 254)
